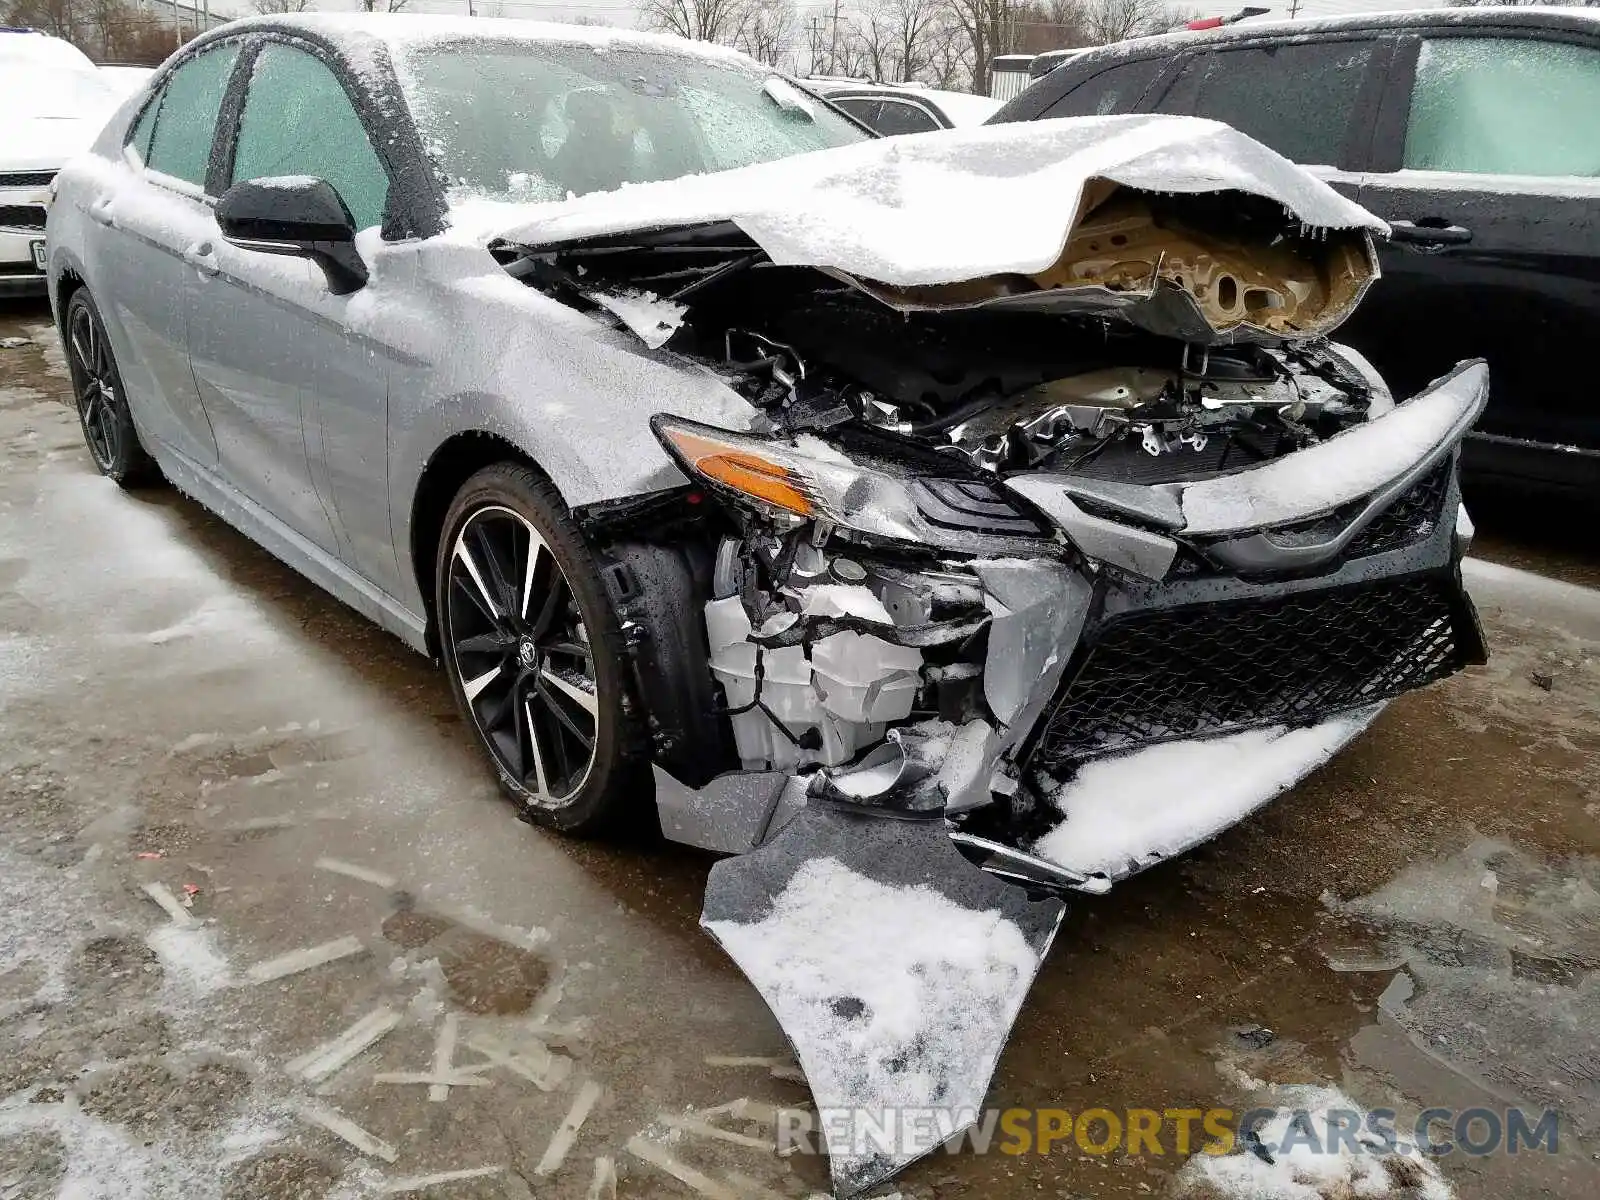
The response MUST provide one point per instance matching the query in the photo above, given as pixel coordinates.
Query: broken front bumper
(1035, 717)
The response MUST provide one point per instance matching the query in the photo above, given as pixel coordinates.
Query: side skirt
(284, 544)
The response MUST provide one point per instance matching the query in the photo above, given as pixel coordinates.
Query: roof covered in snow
(952, 205)
(358, 31)
(1172, 43)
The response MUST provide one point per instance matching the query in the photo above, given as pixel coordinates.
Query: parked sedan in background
(1473, 132)
(892, 108)
(126, 79)
(53, 100)
(783, 499)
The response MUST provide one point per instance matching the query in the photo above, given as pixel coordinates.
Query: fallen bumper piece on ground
(895, 967)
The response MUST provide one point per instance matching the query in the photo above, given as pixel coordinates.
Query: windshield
(31, 91)
(528, 121)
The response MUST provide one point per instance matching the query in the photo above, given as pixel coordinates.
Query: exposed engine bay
(981, 535)
(1021, 373)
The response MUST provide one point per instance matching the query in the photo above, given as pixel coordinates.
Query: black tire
(499, 649)
(102, 403)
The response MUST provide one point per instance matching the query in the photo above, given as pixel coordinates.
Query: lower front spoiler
(895, 967)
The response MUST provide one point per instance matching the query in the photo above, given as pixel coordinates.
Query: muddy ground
(176, 708)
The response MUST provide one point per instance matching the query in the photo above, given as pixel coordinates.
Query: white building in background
(1008, 74)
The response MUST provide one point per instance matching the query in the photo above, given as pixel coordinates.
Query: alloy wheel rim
(97, 391)
(521, 654)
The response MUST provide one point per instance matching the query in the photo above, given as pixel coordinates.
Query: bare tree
(768, 28)
(1043, 25)
(817, 46)
(949, 55)
(63, 18)
(699, 20)
(987, 26)
(1113, 20)
(866, 44)
(381, 5)
(106, 30)
(912, 23)
(280, 6)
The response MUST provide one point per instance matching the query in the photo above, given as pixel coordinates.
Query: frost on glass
(298, 120)
(1505, 106)
(181, 144)
(533, 121)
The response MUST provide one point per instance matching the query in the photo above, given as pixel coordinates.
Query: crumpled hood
(955, 205)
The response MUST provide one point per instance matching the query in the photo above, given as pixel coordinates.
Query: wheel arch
(457, 459)
(67, 285)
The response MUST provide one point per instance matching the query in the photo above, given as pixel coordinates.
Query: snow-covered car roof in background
(36, 48)
(55, 100)
(127, 80)
(951, 205)
(1400, 18)
(359, 31)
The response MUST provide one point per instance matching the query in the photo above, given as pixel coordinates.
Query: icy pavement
(176, 709)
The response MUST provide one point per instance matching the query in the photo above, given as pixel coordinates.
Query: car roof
(1538, 16)
(37, 48)
(356, 34)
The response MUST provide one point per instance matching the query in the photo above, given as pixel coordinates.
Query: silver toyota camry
(936, 526)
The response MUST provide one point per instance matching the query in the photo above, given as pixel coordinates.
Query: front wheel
(536, 659)
(102, 402)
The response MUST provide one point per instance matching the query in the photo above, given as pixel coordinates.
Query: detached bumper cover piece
(894, 966)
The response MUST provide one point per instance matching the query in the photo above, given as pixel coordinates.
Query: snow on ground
(1124, 812)
(1334, 1155)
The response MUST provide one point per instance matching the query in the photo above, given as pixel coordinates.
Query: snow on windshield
(516, 120)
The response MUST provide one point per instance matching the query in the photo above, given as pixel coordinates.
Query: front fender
(565, 389)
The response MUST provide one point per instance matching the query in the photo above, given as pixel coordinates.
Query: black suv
(1475, 132)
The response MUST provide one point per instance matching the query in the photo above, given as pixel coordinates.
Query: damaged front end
(992, 552)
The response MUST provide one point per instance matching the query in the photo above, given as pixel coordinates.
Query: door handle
(100, 213)
(1425, 235)
(202, 256)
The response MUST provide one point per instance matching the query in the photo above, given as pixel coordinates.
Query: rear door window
(180, 141)
(1505, 106)
(903, 116)
(1113, 91)
(1298, 98)
(862, 108)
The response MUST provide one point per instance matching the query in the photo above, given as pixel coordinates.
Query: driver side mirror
(298, 215)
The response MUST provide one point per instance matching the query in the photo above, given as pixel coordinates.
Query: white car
(55, 101)
(127, 80)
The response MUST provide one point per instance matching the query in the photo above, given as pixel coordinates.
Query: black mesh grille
(22, 216)
(10, 179)
(1180, 673)
(1409, 519)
